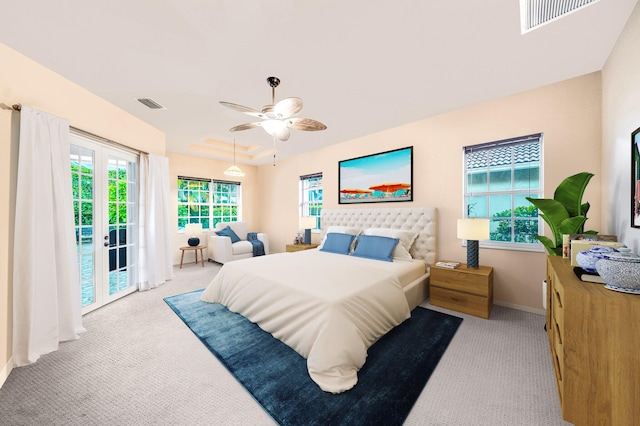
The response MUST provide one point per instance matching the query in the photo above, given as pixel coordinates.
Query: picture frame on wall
(377, 178)
(635, 178)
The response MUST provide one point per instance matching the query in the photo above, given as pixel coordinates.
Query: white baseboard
(6, 370)
(521, 307)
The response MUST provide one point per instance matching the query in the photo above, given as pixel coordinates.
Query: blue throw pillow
(375, 247)
(338, 243)
(228, 232)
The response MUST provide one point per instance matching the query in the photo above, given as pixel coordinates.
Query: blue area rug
(397, 368)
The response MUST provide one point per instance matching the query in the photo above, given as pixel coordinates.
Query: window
(498, 178)
(207, 201)
(311, 196)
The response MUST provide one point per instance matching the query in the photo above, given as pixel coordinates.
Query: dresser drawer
(460, 301)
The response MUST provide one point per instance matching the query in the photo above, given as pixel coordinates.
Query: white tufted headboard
(421, 220)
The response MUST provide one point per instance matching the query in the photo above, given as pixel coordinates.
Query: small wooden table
(300, 247)
(195, 249)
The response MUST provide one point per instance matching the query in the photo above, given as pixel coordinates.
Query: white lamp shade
(473, 229)
(308, 222)
(193, 229)
(234, 171)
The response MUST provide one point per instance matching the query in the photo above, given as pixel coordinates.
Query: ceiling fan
(277, 118)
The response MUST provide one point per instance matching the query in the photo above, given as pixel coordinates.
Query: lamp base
(472, 253)
(307, 236)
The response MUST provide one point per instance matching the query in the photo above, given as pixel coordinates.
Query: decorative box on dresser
(463, 289)
(594, 335)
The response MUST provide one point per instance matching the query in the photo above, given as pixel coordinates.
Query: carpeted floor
(139, 364)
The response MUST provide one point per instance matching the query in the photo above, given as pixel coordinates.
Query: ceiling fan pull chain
(274, 151)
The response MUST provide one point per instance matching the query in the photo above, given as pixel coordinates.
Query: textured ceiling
(360, 66)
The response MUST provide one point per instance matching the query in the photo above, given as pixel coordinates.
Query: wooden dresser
(594, 334)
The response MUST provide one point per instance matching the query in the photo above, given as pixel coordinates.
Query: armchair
(221, 250)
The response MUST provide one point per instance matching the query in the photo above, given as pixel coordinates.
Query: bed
(331, 307)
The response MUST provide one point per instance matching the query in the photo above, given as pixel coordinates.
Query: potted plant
(565, 213)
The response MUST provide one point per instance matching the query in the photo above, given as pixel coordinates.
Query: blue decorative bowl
(587, 259)
(621, 272)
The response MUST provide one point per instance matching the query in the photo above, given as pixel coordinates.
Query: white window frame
(536, 192)
(307, 207)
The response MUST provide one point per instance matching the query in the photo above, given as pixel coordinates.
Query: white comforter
(330, 308)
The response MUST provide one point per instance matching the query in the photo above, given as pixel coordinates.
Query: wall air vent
(534, 13)
(150, 103)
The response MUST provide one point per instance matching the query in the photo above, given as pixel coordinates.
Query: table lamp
(307, 223)
(472, 230)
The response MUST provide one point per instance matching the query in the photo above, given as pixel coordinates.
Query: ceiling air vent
(150, 103)
(534, 13)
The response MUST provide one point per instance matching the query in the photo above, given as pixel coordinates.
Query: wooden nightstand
(463, 289)
(300, 247)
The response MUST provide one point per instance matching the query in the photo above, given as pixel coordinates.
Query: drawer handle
(558, 298)
(558, 332)
(558, 368)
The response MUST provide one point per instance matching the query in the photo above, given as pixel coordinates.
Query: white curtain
(46, 285)
(155, 260)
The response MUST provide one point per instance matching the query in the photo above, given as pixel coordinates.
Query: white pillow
(407, 238)
(340, 230)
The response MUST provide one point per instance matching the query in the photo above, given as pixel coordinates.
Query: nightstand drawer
(476, 281)
(460, 301)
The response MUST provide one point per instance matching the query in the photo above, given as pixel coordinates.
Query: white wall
(569, 115)
(621, 116)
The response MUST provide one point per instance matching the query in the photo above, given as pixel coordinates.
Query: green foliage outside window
(523, 229)
(207, 202)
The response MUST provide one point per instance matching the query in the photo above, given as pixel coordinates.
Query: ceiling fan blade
(244, 127)
(305, 124)
(243, 109)
(288, 107)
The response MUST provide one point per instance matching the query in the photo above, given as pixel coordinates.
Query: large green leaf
(572, 225)
(551, 247)
(554, 213)
(570, 192)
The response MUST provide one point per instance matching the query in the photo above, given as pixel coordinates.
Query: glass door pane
(82, 178)
(122, 207)
(105, 190)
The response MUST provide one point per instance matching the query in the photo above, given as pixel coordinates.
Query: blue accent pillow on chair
(228, 232)
(338, 243)
(375, 247)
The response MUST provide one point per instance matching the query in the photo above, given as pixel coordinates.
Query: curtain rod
(80, 132)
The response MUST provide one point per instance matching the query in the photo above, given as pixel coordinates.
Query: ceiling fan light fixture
(273, 127)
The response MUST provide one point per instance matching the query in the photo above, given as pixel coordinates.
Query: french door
(105, 202)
